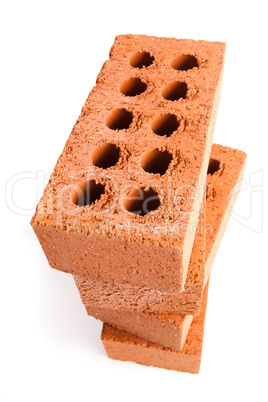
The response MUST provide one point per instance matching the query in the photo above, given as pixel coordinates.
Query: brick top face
(132, 166)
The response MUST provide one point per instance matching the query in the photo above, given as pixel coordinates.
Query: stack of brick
(138, 201)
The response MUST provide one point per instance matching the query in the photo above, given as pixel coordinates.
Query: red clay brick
(112, 298)
(107, 240)
(120, 345)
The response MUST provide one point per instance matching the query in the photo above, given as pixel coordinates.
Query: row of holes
(153, 161)
(120, 119)
(137, 201)
(183, 62)
(173, 91)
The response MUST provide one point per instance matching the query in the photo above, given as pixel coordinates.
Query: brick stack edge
(128, 205)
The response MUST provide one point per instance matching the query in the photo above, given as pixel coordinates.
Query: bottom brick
(120, 345)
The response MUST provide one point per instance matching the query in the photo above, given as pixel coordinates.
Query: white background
(50, 350)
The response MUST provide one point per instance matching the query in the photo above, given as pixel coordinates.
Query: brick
(110, 299)
(120, 345)
(123, 200)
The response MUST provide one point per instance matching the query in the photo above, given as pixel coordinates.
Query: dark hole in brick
(87, 193)
(119, 119)
(140, 201)
(165, 124)
(105, 156)
(184, 62)
(213, 166)
(156, 161)
(174, 91)
(133, 87)
(141, 59)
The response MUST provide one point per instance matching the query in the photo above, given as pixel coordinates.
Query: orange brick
(123, 200)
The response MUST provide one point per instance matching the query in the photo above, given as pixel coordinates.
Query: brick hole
(87, 193)
(105, 156)
(133, 87)
(165, 124)
(141, 59)
(184, 62)
(213, 167)
(156, 161)
(119, 119)
(174, 91)
(140, 201)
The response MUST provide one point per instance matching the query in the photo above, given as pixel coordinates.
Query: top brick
(123, 200)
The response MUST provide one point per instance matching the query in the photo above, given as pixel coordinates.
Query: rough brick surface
(122, 346)
(111, 163)
(223, 182)
(165, 330)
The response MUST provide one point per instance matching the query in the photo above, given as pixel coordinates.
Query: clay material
(120, 345)
(107, 300)
(122, 203)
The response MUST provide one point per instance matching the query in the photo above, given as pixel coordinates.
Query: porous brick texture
(165, 330)
(123, 200)
(224, 177)
(120, 345)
